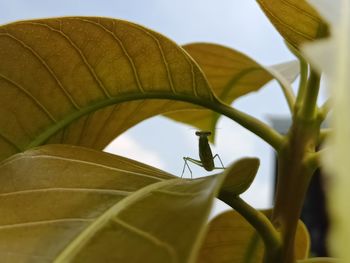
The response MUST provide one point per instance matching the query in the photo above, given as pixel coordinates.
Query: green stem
(308, 109)
(304, 69)
(303, 82)
(313, 160)
(288, 94)
(324, 133)
(325, 109)
(254, 125)
(259, 221)
(250, 252)
(295, 170)
(296, 165)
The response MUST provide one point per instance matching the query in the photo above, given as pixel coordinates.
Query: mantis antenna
(206, 158)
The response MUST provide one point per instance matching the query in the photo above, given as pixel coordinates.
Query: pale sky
(239, 24)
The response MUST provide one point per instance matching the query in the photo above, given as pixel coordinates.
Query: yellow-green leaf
(239, 176)
(295, 20)
(319, 260)
(231, 75)
(232, 239)
(50, 194)
(84, 80)
(60, 201)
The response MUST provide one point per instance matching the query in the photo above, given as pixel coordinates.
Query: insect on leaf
(73, 204)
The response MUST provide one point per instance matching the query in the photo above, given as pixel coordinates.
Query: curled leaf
(239, 176)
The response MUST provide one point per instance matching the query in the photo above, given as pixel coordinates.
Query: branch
(258, 220)
(288, 94)
(325, 109)
(303, 75)
(324, 134)
(309, 104)
(264, 131)
(313, 160)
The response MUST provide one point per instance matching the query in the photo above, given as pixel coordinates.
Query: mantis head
(203, 133)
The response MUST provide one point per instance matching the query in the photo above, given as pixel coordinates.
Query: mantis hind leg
(186, 160)
(222, 165)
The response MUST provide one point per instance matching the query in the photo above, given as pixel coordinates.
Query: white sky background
(239, 24)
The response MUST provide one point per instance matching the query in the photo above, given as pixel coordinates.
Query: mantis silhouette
(206, 158)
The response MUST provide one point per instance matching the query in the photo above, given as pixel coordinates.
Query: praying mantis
(206, 158)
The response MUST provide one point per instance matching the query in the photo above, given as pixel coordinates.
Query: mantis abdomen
(205, 154)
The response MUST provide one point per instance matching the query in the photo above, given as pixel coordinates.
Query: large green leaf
(231, 238)
(295, 20)
(231, 75)
(83, 81)
(88, 206)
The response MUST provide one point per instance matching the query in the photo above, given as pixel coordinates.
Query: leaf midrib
(43, 137)
(68, 189)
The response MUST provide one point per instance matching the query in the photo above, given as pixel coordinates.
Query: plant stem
(288, 94)
(314, 159)
(296, 165)
(324, 133)
(259, 221)
(303, 77)
(308, 108)
(254, 125)
(325, 109)
(294, 175)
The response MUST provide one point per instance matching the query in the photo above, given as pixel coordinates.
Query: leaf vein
(9, 161)
(179, 194)
(78, 51)
(187, 58)
(30, 96)
(46, 66)
(134, 112)
(8, 141)
(170, 250)
(63, 134)
(235, 57)
(107, 120)
(315, 18)
(83, 128)
(68, 189)
(164, 60)
(122, 46)
(278, 20)
(44, 222)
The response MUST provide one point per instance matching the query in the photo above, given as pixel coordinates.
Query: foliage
(331, 56)
(71, 85)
